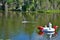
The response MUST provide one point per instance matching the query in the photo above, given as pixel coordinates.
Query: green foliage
(52, 11)
(42, 6)
(9, 1)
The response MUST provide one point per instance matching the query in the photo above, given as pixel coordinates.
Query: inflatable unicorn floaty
(48, 30)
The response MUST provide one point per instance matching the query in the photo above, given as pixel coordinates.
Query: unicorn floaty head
(50, 25)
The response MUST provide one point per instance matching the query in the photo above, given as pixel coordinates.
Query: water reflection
(21, 36)
(13, 28)
(34, 36)
(38, 37)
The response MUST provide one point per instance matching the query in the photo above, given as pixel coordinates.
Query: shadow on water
(13, 28)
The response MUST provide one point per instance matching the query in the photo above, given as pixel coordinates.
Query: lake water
(23, 26)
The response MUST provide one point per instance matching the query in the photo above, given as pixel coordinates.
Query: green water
(12, 24)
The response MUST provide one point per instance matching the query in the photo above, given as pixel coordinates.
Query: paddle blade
(55, 33)
(41, 33)
(40, 28)
(55, 27)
